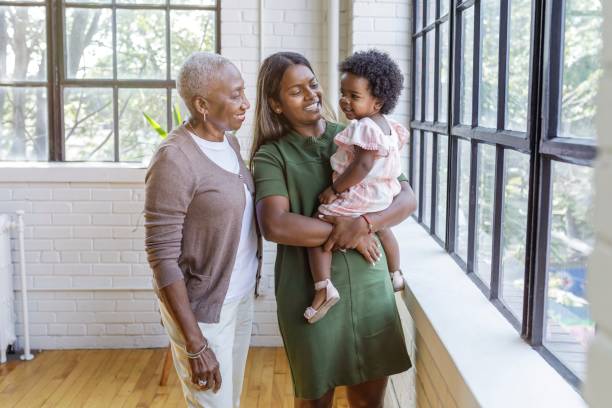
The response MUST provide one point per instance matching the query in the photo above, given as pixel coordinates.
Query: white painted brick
(57, 305)
(111, 295)
(137, 245)
(391, 24)
(136, 305)
(239, 28)
(295, 16)
(283, 29)
(90, 257)
(129, 257)
(236, 53)
(115, 329)
(35, 329)
(230, 15)
(77, 329)
(5, 194)
(110, 257)
(111, 194)
(134, 282)
(58, 329)
(12, 206)
(129, 232)
(53, 232)
(128, 206)
(73, 244)
(141, 270)
(239, 4)
(96, 306)
(71, 219)
(92, 282)
(111, 219)
(363, 24)
(152, 328)
(37, 219)
(48, 282)
(112, 244)
(89, 207)
(366, 9)
(70, 256)
(75, 317)
(96, 329)
(114, 317)
(284, 4)
(42, 317)
(49, 257)
(599, 284)
(232, 40)
(51, 207)
(29, 194)
(134, 329)
(71, 194)
(111, 269)
(148, 317)
(146, 294)
(92, 232)
(71, 269)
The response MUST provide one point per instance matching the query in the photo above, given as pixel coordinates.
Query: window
(506, 186)
(77, 76)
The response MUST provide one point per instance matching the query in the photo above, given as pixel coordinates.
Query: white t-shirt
(244, 273)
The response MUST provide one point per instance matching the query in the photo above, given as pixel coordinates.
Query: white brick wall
(598, 391)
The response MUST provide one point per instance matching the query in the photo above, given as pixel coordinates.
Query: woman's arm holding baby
(359, 168)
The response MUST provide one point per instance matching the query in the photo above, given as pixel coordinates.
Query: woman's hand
(369, 248)
(347, 232)
(205, 373)
(327, 196)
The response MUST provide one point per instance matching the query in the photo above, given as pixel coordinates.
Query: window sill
(484, 360)
(29, 172)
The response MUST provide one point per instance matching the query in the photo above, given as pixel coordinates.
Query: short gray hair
(196, 75)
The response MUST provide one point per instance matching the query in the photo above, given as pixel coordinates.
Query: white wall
(598, 390)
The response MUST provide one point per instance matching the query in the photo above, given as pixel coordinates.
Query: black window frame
(540, 141)
(57, 78)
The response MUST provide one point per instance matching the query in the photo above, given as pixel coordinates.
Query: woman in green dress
(360, 341)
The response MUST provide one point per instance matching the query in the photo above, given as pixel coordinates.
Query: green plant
(176, 114)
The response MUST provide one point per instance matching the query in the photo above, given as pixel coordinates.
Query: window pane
(137, 140)
(141, 1)
(431, 11)
(490, 63)
(190, 31)
(89, 1)
(431, 66)
(463, 198)
(89, 43)
(514, 230)
(417, 78)
(444, 4)
(427, 178)
(178, 106)
(141, 44)
(23, 131)
(416, 163)
(467, 68)
(441, 170)
(582, 67)
(484, 212)
(518, 65)
(88, 124)
(568, 325)
(443, 91)
(24, 37)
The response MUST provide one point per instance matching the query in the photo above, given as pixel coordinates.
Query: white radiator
(7, 309)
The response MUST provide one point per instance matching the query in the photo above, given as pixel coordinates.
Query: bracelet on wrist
(370, 226)
(197, 354)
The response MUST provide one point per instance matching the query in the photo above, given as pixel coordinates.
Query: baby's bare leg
(320, 263)
(391, 248)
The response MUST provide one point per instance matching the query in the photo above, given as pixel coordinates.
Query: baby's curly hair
(383, 74)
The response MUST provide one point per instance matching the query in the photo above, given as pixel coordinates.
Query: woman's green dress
(361, 337)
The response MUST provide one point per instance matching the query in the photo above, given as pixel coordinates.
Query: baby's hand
(328, 196)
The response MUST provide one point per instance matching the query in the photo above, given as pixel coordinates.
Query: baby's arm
(354, 174)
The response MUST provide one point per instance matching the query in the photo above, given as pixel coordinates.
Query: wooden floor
(130, 378)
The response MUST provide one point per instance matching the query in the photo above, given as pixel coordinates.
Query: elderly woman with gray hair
(201, 239)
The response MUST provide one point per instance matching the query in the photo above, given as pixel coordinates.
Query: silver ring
(202, 383)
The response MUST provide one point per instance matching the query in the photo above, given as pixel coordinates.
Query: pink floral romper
(376, 191)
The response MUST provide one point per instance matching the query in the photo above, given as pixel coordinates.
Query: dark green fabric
(360, 338)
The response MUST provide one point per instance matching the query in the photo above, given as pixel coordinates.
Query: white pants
(229, 339)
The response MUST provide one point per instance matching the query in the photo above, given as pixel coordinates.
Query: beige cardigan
(193, 218)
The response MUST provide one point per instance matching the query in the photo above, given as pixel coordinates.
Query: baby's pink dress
(376, 191)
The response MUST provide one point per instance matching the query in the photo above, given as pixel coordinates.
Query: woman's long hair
(269, 125)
